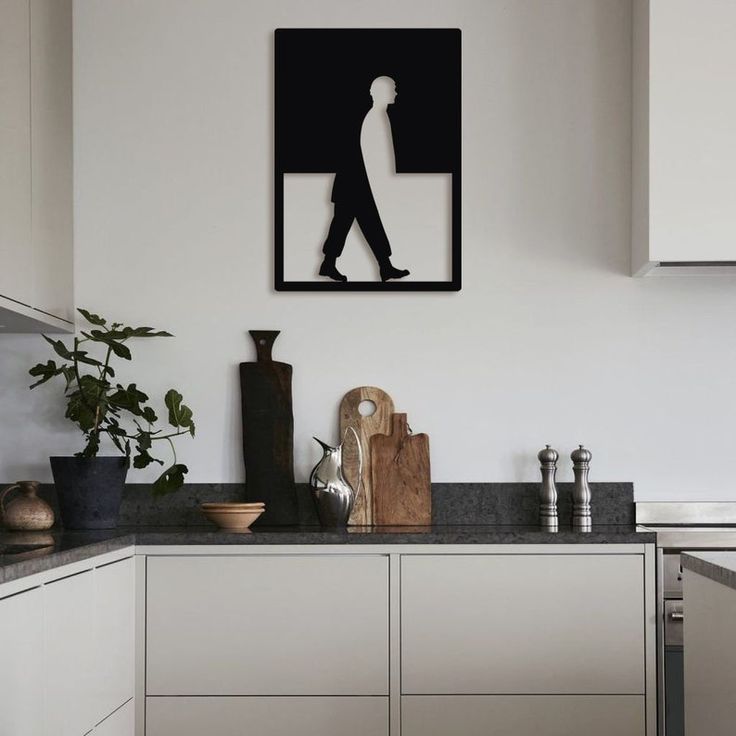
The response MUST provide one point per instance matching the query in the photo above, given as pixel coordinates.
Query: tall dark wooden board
(402, 492)
(268, 433)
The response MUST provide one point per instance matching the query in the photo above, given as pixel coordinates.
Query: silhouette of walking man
(353, 197)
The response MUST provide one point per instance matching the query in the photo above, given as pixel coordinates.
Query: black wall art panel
(367, 159)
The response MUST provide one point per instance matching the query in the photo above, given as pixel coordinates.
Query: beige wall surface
(550, 340)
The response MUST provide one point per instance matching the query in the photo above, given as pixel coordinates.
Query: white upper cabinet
(15, 148)
(684, 149)
(36, 228)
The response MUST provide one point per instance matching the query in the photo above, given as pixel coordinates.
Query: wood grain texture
(268, 433)
(400, 476)
(378, 423)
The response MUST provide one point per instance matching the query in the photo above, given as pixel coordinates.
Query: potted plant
(89, 486)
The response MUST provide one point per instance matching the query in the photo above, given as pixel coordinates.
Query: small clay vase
(27, 512)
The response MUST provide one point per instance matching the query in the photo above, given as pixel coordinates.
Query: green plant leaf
(105, 338)
(45, 372)
(180, 415)
(80, 412)
(94, 319)
(149, 415)
(116, 441)
(119, 349)
(170, 480)
(125, 333)
(93, 446)
(69, 376)
(143, 459)
(59, 348)
(148, 332)
(129, 398)
(81, 356)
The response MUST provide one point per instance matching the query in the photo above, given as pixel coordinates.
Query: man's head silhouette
(383, 91)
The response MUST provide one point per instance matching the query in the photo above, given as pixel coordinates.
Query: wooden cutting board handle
(400, 476)
(365, 426)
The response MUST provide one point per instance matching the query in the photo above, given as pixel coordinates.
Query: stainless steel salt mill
(581, 516)
(548, 490)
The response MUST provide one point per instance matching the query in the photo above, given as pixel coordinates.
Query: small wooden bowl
(228, 505)
(232, 519)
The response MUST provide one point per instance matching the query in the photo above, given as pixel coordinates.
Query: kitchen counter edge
(73, 546)
(717, 566)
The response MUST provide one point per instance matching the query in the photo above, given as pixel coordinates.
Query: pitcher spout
(324, 445)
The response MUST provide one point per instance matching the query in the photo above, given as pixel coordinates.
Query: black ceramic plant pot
(89, 490)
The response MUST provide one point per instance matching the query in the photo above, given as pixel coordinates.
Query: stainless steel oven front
(673, 700)
(680, 527)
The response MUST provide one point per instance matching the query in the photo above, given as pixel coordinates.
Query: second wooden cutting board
(379, 422)
(400, 476)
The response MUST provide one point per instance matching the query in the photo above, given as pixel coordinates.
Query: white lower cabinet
(522, 624)
(522, 715)
(274, 716)
(89, 642)
(119, 723)
(21, 672)
(69, 645)
(67, 649)
(267, 625)
(274, 644)
(114, 637)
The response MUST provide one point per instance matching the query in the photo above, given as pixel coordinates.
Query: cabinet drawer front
(282, 625)
(526, 624)
(320, 716)
(522, 715)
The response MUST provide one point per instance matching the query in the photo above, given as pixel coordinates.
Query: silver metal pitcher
(333, 495)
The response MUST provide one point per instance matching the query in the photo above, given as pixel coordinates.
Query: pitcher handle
(2, 498)
(360, 460)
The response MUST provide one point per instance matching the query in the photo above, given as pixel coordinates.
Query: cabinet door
(120, 723)
(710, 657)
(527, 624)
(357, 716)
(281, 625)
(520, 715)
(51, 156)
(114, 636)
(69, 644)
(16, 273)
(21, 653)
(692, 118)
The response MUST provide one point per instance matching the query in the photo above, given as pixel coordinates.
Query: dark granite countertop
(718, 566)
(64, 547)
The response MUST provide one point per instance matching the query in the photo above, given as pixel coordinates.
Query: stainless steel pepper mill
(581, 516)
(548, 490)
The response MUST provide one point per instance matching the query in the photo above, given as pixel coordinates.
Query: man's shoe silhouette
(329, 269)
(389, 272)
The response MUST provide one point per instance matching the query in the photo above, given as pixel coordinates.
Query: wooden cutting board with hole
(400, 476)
(379, 422)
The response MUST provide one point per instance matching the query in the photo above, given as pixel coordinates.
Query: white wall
(550, 340)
